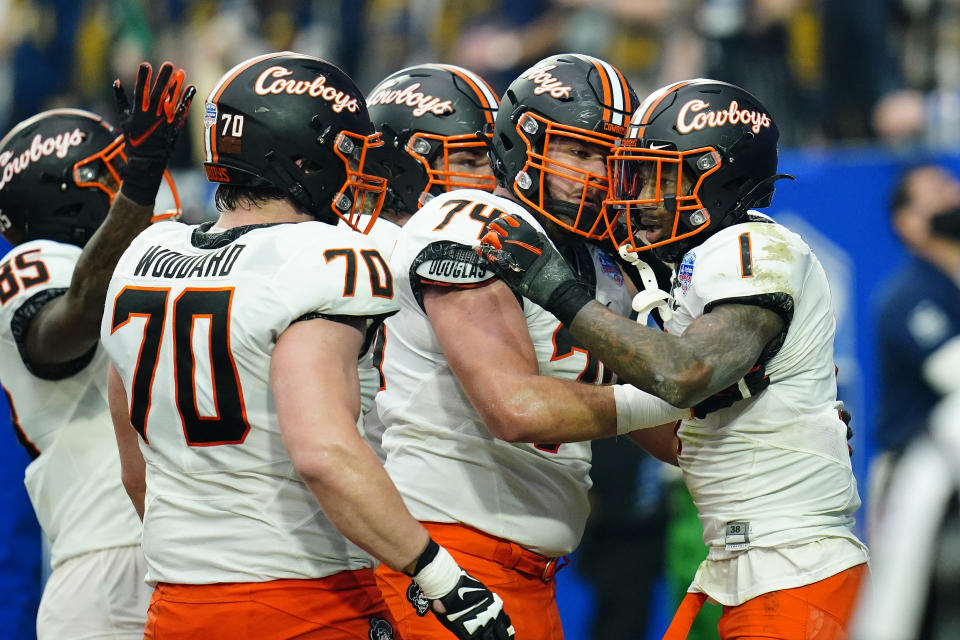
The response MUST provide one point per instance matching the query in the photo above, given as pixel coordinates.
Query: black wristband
(141, 180)
(426, 557)
(566, 300)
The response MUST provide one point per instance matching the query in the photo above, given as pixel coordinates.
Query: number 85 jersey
(191, 321)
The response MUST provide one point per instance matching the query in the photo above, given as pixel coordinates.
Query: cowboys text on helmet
(546, 83)
(12, 164)
(732, 114)
(420, 103)
(316, 88)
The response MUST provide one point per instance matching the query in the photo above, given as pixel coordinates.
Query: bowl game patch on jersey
(685, 272)
(609, 267)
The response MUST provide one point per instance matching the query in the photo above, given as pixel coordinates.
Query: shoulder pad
(448, 262)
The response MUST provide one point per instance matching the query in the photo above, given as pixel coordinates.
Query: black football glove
(525, 260)
(755, 380)
(470, 610)
(846, 417)
(150, 128)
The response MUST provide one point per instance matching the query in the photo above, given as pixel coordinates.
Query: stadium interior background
(860, 89)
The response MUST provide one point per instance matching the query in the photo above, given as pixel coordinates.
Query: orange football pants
(818, 611)
(522, 578)
(344, 606)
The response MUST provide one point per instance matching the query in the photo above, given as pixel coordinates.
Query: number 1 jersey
(191, 322)
(771, 475)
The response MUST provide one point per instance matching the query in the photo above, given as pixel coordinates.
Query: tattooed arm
(68, 326)
(715, 351)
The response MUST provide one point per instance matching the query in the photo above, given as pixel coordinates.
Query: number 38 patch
(738, 536)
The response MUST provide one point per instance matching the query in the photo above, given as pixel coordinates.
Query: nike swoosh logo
(657, 147)
(463, 590)
(136, 141)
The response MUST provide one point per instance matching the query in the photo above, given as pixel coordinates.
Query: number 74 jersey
(191, 321)
(444, 461)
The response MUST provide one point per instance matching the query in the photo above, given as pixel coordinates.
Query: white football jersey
(74, 478)
(191, 322)
(770, 474)
(439, 453)
(384, 235)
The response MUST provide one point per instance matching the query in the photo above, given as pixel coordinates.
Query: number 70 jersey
(191, 321)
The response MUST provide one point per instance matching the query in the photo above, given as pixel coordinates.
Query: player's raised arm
(68, 326)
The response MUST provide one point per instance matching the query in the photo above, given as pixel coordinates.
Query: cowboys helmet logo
(417, 599)
(380, 629)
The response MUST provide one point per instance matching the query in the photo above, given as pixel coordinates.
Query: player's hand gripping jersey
(193, 318)
(440, 455)
(771, 471)
(62, 420)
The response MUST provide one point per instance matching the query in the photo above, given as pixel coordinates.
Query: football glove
(755, 381)
(466, 607)
(529, 264)
(846, 417)
(150, 128)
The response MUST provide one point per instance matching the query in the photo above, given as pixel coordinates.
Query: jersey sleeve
(754, 268)
(440, 240)
(445, 235)
(32, 275)
(342, 274)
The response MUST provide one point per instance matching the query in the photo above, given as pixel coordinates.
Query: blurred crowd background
(834, 73)
(859, 89)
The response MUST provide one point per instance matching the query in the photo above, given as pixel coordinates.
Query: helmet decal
(57, 145)
(698, 154)
(297, 124)
(696, 114)
(419, 103)
(211, 109)
(540, 75)
(432, 117)
(316, 88)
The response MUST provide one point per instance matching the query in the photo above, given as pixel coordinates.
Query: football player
(235, 388)
(472, 373)
(771, 475)
(60, 172)
(433, 120)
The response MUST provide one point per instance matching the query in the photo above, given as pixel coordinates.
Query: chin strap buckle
(652, 297)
